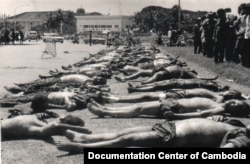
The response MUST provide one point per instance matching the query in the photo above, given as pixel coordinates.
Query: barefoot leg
(86, 138)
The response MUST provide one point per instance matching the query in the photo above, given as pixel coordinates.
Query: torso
(194, 104)
(59, 98)
(200, 133)
(19, 126)
(200, 92)
(75, 78)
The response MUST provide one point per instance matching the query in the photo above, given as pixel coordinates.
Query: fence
(50, 49)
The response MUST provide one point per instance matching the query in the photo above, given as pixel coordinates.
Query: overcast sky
(113, 7)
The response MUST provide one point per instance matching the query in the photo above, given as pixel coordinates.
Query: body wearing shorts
(166, 131)
(168, 105)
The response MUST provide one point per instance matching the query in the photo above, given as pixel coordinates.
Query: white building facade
(101, 23)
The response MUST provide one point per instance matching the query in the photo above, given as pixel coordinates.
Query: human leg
(157, 76)
(133, 97)
(136, 75)
(140, 139)
(89, 138)
(149, 88)
(130, 68)
(148, 108)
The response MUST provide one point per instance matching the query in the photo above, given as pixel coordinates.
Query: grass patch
(235, 72)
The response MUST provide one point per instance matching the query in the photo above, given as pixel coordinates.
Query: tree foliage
(67, 19)
(80, 11)
(160, 19)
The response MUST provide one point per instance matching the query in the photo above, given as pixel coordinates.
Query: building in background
(29, 19)
(95, 22)
(99, 23)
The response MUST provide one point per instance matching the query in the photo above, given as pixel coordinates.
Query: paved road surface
(23, 63)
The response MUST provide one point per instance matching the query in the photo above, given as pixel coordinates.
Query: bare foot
(108, 98)
(76, 137)
(68, 146)
(95, 110)
(132, 85)
(120, 79)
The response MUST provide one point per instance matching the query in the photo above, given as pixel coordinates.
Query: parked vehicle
(95, 40)
(53, 37)
(32, 35)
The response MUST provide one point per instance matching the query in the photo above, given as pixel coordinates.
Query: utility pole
(179, 14)
(120, 8)
(61, 25)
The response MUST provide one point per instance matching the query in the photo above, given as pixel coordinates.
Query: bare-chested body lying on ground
(67, 79)
(94, 59)
(165, 73)
(176, 94)
(196, 132)
(88, 71)
(176, 84)
(31, 126)
(62, 100)
(173, 109)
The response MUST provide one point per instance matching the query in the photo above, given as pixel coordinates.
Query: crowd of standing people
(10, 36)
(224, 36)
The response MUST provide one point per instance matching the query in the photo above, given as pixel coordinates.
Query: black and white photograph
(79, 74)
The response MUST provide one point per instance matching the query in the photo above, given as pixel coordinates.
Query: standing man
(220, 36)
(197, 37)
(13, 36)
(239, 29)
(245, 50)
(109, 39)
(208, 26)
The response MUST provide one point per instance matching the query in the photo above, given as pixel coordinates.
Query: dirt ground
(23, 63)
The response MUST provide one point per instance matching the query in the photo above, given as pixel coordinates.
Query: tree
(63, 21)
(51, 22)
(153, 17)
(160, 19)
(80, 11)
(69, 23)
(60, 19)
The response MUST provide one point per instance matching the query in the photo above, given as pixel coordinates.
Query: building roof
(37, 15)
(91, 17)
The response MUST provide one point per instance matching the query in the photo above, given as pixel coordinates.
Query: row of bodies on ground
(84, 84)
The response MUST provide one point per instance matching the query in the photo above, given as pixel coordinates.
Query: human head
(39, 103)
(237, 108)
(228, 10)
(221, 13)
(232, 94)
(247, 9)
(72, 120)
(241, 9)
(99, 80)
(209, 15)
